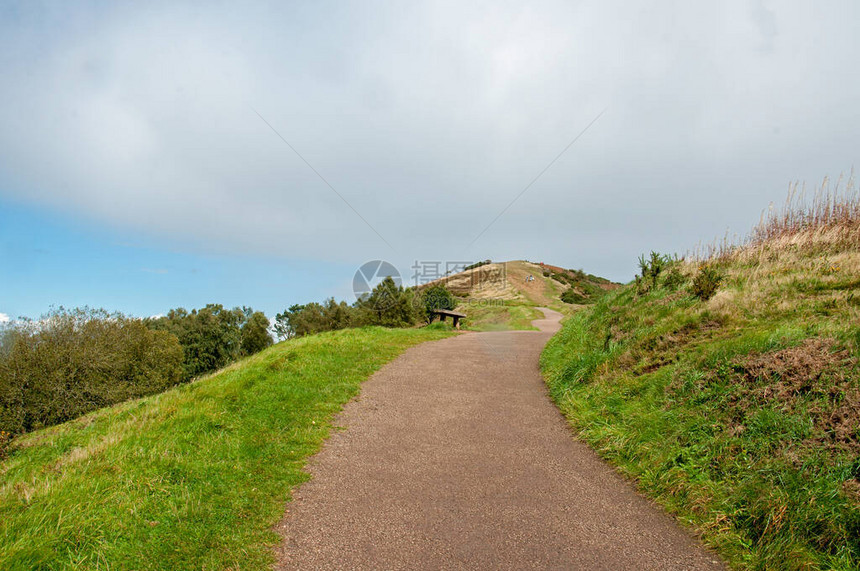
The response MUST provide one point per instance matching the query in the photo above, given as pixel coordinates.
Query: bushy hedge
(583, 288)
(75, 361)
(299, 320)
(570, 295)
(388, 305)
(72, 362)
(214, 336)
(435, 298)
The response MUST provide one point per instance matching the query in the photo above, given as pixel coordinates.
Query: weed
(5, 438)
(570, 295)
(439, 326)
(650, 269)
(706, 282)
(673, 278)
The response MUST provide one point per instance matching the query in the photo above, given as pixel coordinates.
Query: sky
(164, 154)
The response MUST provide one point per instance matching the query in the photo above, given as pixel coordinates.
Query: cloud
(4, 318)
(427, 119)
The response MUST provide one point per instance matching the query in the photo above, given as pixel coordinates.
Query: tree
(308, 320)
(285, 326)
(73, 361)
(255, 333)
(388, 305)
(338, 315)
(314, 317)
(210, 337)
(435, 298)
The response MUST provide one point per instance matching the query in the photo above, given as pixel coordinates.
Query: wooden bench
(443, 313)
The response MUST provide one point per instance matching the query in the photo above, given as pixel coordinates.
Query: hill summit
(525, 282)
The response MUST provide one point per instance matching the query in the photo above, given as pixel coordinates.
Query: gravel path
(454, 457)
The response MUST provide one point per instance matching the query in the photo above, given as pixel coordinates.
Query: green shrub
(652, 266)
(214, 336)
(5, 438)
(706, 283)
(583, 288)
(255, 333)
(74, 361)
(658, 270)
(477, 265)
(435, 298)
(311, 318)
(564, 278)
(570, 295)
(389, 305)
(673, 279)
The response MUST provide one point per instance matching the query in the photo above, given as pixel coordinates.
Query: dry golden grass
(485, 282)
(506, 281)
(805, 256)
(828, 220)
(792, 281)
(829, 215)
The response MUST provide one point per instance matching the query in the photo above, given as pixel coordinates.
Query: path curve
(454, 457)
(551, 321)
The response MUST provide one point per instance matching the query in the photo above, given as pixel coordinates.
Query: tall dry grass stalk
(831, 215)
(831, 206)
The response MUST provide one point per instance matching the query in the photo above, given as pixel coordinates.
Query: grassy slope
(515, 308)
(498, 296)
(193, 478)
(541, 291)
(725, 411)
(581, 288)
(506, 316)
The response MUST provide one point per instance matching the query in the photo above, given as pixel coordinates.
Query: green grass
(689, 399)
(501, 317)
(193, 478)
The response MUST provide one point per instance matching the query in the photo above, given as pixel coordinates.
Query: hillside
(194, 477)
(740, 411)
(503, 295)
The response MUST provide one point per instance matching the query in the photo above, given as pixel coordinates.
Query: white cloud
(428, 120)
(4, 318)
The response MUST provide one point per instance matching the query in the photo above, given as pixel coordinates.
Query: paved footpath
(454, 457)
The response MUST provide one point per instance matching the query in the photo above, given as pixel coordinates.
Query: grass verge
(193, 478)
(740, 414)
(497, 316)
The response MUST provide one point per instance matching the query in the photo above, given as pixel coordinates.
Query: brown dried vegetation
(814, 370)
(825, 220)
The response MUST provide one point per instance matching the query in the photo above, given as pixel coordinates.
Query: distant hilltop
(524, 281)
